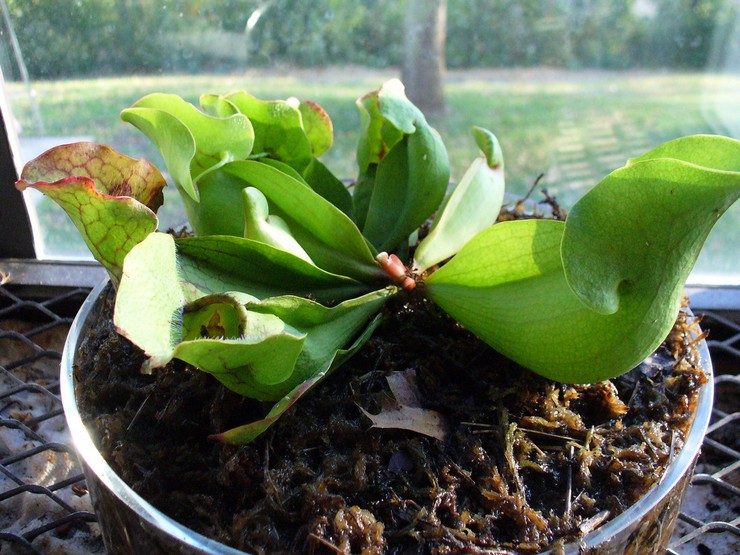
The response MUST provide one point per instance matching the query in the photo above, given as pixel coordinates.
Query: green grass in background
(572, 126)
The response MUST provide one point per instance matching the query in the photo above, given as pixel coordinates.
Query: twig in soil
(420, 516)
(160, 414)
(531, 189)
(491, 428)
(274, 494)
(671, 454)
(138, 412)
(569, 488)
(557, 212)
(593, 522)
(463, 473)
(478, 425)
(635, 389)
(486, 428)
(547, 434)
(459, 542)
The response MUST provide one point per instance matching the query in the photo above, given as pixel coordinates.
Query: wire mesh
(45, 508)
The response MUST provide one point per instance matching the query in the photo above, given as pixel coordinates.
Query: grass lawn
(571, 126)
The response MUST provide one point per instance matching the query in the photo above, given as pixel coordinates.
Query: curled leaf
(647, 247)
(327, 333)
(327, 235)
(216, 315)
(217, 106)
(191, 142)
(611, 299)
(404, 164)
(111, 198)
(490, 147)
(259, 225)
(473, 205)
(249, 366)
(318, 127)
(278, 128)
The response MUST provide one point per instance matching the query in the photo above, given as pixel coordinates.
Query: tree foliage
(94, 37)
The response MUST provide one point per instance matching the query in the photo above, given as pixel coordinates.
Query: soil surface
(527, 463)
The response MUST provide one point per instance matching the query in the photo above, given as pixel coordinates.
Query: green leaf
(247, 352)
(473, 205)
(708, 151)
(381, 130)
(191, 142)
(149, 300)
(325, 183)
(285, 168)
(217, 106)
(410, 184)
(508, 287)
(362, 192)
(248, 432)
(327, 331)
(252, 365)
(269, 229)
(111, 198)
(318, 126)
(278, 128)
(162, 276)
(217, 264)
(289, 345)
(385, 116)
(648, 246)
(219, 210)
(412, 168)
(173, 140)
(328, 236)
(171, 303)
(626, 260)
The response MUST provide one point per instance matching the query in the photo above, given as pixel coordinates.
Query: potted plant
(284, 275)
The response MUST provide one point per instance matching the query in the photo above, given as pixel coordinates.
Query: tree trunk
(423, 65)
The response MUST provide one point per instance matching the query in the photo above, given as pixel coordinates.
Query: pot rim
(92, 458)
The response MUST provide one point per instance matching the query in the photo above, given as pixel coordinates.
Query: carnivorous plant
(286, 270)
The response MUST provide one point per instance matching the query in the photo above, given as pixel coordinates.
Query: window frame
(19, 261)
(17, 236)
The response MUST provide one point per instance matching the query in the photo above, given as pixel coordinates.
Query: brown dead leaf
(404, 388)
(406, 412)
(423, 421)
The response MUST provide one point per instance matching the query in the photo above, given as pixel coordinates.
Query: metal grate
(44, 506)
(709, 523)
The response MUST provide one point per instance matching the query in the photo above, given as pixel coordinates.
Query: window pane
(572, 88)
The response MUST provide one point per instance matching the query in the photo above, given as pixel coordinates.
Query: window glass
(572, 88)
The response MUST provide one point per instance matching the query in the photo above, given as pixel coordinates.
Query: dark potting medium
(527, 462)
